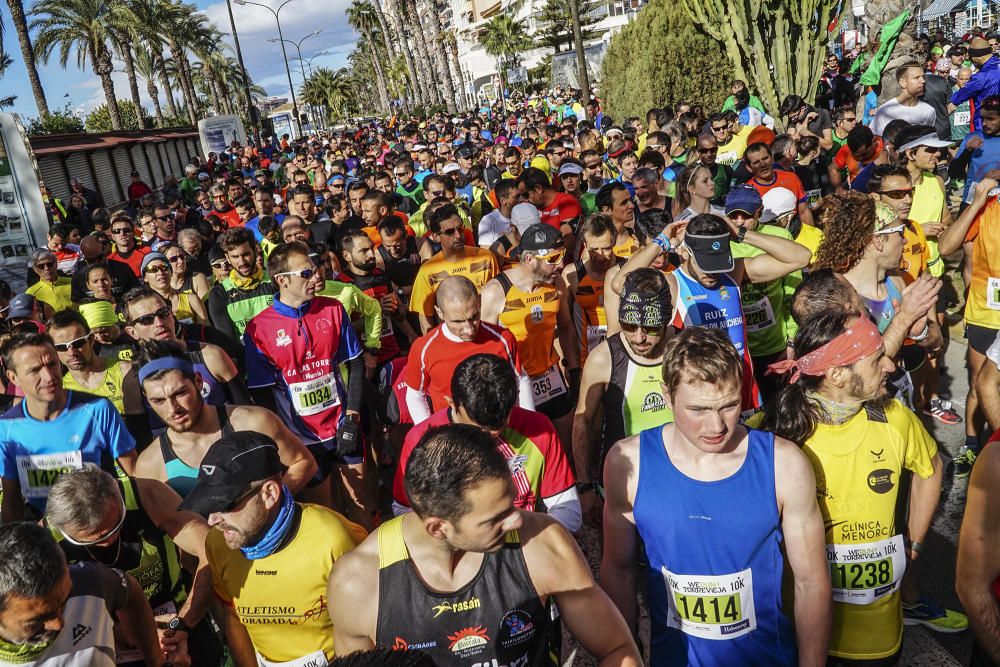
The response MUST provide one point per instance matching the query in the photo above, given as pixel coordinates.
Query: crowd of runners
(351, 398)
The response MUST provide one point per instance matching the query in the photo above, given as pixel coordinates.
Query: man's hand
(931, 229)
(389, 303)
(592, 507)
(371, 362)
(974, 143)
(918, 297)
(174, 644)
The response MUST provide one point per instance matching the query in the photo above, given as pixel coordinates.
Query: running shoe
(933, 617)
(942, 411)
(963, 462)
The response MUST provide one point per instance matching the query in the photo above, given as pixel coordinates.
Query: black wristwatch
(582, 487)
(740, 235)
(177, 624)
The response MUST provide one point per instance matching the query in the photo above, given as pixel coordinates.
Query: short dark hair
(597, 224)
(485, 386)
(277, 261)
(439, 215)
(17, 341)
(31, 562)
(65, 318)
(448, 461)
(391, 224)
(884, 171)
(347, 240)
(905, 67)
(603, 198)
(504, 188)
(859, 137)
(233, 238)
(150, 350)
(135, 295)
(303, 190)
(533, 177)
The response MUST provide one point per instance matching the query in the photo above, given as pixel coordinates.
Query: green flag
(887, 42)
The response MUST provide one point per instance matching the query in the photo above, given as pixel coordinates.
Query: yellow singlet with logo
(281, 599)
(857, 466)
(983, 305)
(531, 317)
(110, 387)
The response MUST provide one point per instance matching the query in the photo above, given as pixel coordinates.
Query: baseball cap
(777, 202)
(541, 239)
(524, 215)
(743, 198)
(465, 151)
(203, 176)
(451, 167)
(570, 168)
(711, 252)
(22, 305)
(259, 172)
(930, 140)
(231, 465)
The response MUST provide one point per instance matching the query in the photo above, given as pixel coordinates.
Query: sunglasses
(232, 507)
(103, 538)
(436, 193)
(719, 128)
(146, 320)
(164, 217)
(75, 344)
(898, 229)
(158, 268)
(708, 151)
(552, 258)
(897, 194)
(176, 259)
(453, 231)
(45, 265)
(122, 230)
(649, 331)
(305, 274)
(596, 165)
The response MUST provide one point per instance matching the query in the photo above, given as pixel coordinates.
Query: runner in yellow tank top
(585, 283)
(921, 159)
(87, 372)
(527, 299)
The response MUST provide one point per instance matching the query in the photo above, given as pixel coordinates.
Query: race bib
(548, 385)
(863, 573)
(386, 325)
(38, 472)
(126, 652)
(758, 315)
(813, 196)
(993, 293)
(596, 335)
(317, 659)
(961, 118)
(314, 396)
(711, 606)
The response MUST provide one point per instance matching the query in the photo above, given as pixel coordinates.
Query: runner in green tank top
(623, 375)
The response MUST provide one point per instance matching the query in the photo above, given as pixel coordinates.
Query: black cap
(541, 237)
(465, 151)
(231, 464)
(711, 252)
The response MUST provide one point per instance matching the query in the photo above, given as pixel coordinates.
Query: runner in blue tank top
(717, 525)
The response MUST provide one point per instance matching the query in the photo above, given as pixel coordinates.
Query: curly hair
(848, 222)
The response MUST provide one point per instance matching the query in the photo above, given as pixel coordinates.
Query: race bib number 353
(711, 606)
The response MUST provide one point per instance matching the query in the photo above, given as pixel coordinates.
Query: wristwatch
(583, 487)
(177, 624)
(740, 235)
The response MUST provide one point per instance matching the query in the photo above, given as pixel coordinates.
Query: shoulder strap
(224, 425)
(581, 270)
(875, 414)
(505, 283)
(391, 547)
(165, 449)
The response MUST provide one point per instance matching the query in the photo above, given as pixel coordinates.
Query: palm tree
(28, 53)
(150, 16)
(397, 16)
(424, 49)
(361, 16)
(124, 31)
(147, 65)
(5, 62)
(504, 38)
(335, 91)
(83, 26)
(441, 57)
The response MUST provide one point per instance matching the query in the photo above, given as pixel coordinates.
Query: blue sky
(255, 26)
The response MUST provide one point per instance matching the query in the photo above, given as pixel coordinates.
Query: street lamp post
(298, 49)
(254, 125)
(284, 55)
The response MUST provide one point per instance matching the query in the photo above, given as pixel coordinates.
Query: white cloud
(255, 25)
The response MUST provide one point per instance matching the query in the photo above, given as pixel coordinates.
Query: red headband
(857, 342)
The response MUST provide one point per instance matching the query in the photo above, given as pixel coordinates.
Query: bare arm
(425, 323)
(924, 496)
(237, 638)
(621, 538)
(300, 463)
(127, 462)
(567, 332)
(952, 237)
(988, 389)
(559, 569)
(978, 558)
(353, 594)
(611, 301)
(596, 374)
(781, 257)
(805, 545)
(136, 621)
(919, 297)
(492, 302)
(198, 308)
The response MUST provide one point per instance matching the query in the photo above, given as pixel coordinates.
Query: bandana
(275, 535)
(644, 309)
(249, 282)
(856, 343)
(99, 314)
(985, 51)
(884, 216)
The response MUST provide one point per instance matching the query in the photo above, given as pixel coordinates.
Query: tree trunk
(416, 93)
(28, 53)
(103, 68)
(877, 14)
(133, 83)
(383, 95)
(451, 54)
(213, 89)
(187, 81)
(168, 93)
(446, 83)
(429, 82)
(154, 95)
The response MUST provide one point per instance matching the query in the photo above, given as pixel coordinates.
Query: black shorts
(556, 407)
(980, 338)
(326, 457)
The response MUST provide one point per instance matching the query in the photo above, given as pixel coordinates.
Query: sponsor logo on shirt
(402, 645)
(79, 632)
(468, 642)
(653, 401)
(516, 627)
(455, 607)
(880, 481)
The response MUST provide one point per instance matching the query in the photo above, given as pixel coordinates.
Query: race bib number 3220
(711, 606)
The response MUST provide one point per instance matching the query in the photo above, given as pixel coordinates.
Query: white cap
(450, 168)
(524, 215)
(777, 202)
(570, 168)
(930, 140)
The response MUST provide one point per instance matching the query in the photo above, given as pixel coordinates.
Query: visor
(711, 253)
(929, 140)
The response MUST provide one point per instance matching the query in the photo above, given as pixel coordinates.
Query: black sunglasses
(146, 320)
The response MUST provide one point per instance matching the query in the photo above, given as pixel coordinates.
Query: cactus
(776, 46)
